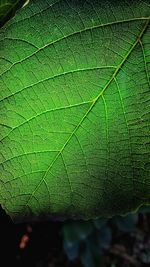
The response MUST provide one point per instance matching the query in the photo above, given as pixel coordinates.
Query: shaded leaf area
(100, 243)
(74, 105)
(8, 9)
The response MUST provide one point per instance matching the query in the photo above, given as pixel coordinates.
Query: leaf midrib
(88, 111)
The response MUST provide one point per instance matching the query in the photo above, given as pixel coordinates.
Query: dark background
(44, 247)
(117, 242)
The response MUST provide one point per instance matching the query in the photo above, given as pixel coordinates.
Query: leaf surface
(75, 109)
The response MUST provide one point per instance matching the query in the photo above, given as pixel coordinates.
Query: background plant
(119, 241)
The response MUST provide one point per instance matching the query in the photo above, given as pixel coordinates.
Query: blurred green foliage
(89, 240)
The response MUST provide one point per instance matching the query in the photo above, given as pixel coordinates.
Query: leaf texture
(75, 109)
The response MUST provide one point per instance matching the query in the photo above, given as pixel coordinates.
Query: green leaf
(75, 109)
(105, 237)
(8, 9)
(144, 209)
(91, 254)
(76, 231)
(99, 223)
(87, 258)
(127, 223)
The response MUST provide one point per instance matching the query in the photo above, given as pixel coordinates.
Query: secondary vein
(90, 108)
